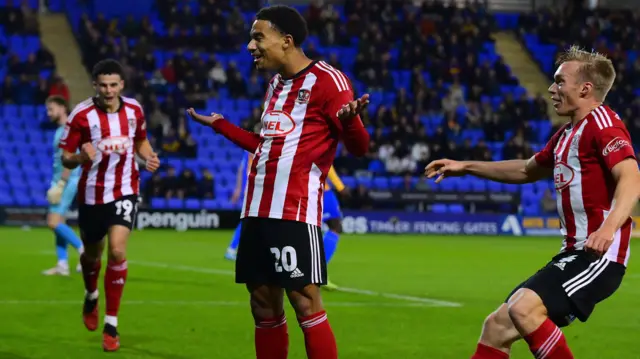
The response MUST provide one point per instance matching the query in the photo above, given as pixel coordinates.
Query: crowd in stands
(27, 68)
(614, 33)
(438, 88)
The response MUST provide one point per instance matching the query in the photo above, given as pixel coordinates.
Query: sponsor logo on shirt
(614, 145)
(562, 175)
(119, 145)
(277, 124)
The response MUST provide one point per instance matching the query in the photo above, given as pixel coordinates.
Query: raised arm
(344, 111)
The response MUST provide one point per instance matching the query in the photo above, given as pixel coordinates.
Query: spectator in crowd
(170, 184)
(207, 185)
(360, 199)
(548, 202)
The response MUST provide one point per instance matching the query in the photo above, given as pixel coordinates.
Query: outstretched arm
(511, 171)
(246, 140)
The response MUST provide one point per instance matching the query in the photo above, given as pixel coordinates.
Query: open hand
(353, 108)
(444, 168)
(202, 119)
(153, 162)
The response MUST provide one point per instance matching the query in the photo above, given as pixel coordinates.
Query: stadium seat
(158, 202)
(439, 208)
(365, 181)
(494, 186)
(210, 204)
(175, 203)
(381, 183)
(464, 184)
(456, 208)
(5, 199)
(449, 184)
(349, 181)
(478, 184)
(192, 203)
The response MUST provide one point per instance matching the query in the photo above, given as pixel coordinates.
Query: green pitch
(409, 297)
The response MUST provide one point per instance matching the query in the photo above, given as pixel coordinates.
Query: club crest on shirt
(132, 124)
(303, 96)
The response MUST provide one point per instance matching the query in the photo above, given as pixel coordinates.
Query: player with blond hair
(596, 179)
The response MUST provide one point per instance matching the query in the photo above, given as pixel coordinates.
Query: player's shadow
(163, 282)
(129, 348)
(7, 355)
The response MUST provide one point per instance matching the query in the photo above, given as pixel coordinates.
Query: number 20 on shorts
(285, 259)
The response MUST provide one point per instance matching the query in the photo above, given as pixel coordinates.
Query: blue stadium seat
(478, 184)
(27, 112)
(349, 181)
(542, 186)
(6, 199)
(449, 184)
(192, 203)
(464, 184)
(439, 208)
(365, 181)
(381, 183)
(456, 208)
(10, 111)
(40, 201)
(376, 167)
(513, 188)
(210, 204)
(396, 182)
(22, 200)
(532, 209)
(494, 186)
(158, 202)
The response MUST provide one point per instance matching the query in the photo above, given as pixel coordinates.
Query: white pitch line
(208, 303)
(431, 301)
(226, 272)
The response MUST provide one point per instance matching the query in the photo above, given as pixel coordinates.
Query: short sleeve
(613, 145)
(72, 135)
(141, 125)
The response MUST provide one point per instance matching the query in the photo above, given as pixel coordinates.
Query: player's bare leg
(318, 335)
(271, 333)
(114, 279)
(529, 315)
(90, 260)
(498, 334)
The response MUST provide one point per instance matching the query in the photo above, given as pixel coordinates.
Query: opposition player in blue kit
(62, 192)
(332, 217)
(237, 197)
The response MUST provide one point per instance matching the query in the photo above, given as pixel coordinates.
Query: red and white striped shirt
(297, 144)
(114, 171)
(582, 157)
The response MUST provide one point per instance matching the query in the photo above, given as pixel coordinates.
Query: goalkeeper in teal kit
(62, 191)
